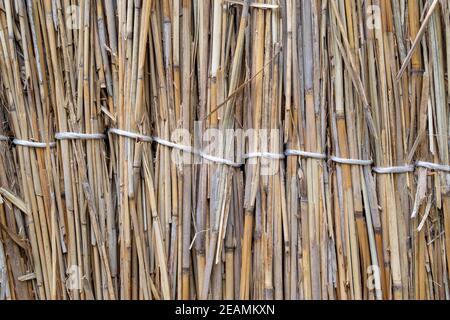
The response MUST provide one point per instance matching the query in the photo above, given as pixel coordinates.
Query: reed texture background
(356, 204)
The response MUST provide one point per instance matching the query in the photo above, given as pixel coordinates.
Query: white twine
(359, 162)
(188, 149)
(79, 136)
(31, 144)
(193, 151)
(398, 169)
(268, 155)
(131, 135)
(219, 160)
(305, 154)
(355, 162)
(176, 146)
(411, 168)
(433, 166)
(4, 138)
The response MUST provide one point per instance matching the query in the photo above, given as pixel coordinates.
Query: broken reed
(120, 219)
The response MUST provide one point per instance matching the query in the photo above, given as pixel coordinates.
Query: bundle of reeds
(15, 252)
(224, 149)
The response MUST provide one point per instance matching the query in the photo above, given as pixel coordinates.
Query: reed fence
(224, 149)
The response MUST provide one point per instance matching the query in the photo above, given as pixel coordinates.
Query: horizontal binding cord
(433, 166)
(378, 170)
(267, 155)
(32, 144)
(79, 136)
(193, 151)
(219, 160)
(305, 154)
(398, 169)
(173, 145)
(411, 168)
(355, 162)
(176, 146)
(131, 135)
(277, 156)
